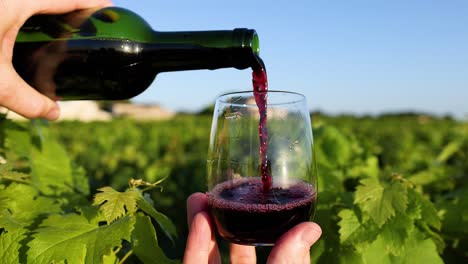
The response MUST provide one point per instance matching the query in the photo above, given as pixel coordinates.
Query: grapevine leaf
(335, 146)
(369, 195)
(3, 202)
(454, 218)
(50, 166)
(333, 181)
(8, 222)
(375, 253)
(115, 204)
(111, 258)
(164, 222)
(80, 181)
(395, 233)
(145, 242)
(72, 238)
(17, 139)
(25, 203)
(7, 173)
(349, 224)
(429, 213)
(418, 249)
(349, 256)
(319, 250)
(381, 203)
(414, 209)
(370, 168)
(323, 252)
(10, 245)
(450, 149)
(353, 231)
(428, 176)
(92, 213)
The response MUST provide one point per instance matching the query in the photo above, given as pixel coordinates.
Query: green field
(392, 189)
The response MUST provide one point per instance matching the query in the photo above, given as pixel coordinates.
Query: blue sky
(345, 56)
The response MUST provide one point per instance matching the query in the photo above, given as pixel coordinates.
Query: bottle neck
(191, 50)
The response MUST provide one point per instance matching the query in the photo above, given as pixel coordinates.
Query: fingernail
(311, 235)
(53, 113)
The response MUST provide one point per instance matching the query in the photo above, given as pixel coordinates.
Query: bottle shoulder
(105, 23)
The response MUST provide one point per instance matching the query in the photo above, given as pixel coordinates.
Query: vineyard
(392, 189)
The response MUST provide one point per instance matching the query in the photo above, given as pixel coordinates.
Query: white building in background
(83, 111)
(87, 111)
(141, 111)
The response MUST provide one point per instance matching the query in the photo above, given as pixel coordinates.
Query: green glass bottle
(113, 54)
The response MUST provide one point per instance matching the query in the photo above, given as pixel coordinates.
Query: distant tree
(107, 105)
(207, 110)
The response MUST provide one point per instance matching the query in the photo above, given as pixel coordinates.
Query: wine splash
(260, 89)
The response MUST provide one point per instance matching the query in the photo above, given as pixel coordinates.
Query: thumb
(19, 97)
(294, 245)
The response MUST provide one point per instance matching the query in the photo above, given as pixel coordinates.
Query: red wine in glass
(245, 214)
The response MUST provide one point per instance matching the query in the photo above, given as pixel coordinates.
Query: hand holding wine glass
(292, 247)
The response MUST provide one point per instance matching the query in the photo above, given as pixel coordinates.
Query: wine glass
(245, 209)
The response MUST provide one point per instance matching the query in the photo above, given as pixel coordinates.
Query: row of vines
(392, 189)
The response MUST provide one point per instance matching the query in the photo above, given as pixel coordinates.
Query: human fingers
(15, 93)
(60, 6)
(19, 97)
(294, 245)
(196, 206)
(195, 203)
(201, 245)
(239, 254)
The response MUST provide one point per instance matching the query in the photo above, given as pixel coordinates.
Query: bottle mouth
(248, 38)
(255, 43)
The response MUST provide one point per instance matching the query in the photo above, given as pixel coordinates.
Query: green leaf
(25, 203)
(395, 233)
(10, 245)
(454, 218)
(80, 181)
(429, 213)
(91, 213)
(145, 242)
(115, 204)
(429, 176)
(381, 203)
(3, 202)
(9, 223)
(50, 166)
(369, 168)
(7, 173)
(349, 224)
(72, 238)
(396, 195)
(334, 145)
(376, 253)
(418, 249)
(164, 222)
(450, 149)
(111, 258)
(17, 139)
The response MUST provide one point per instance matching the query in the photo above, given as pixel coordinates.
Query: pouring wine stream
(260, 88)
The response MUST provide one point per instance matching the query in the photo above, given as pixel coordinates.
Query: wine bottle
(113, 54)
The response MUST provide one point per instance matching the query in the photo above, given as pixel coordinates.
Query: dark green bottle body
(112, 54)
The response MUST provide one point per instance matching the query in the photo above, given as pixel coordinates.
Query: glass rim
(299, 98)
